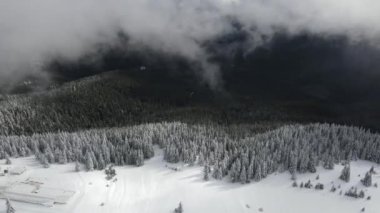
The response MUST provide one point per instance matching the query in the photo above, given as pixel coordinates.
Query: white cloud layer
(33, 30)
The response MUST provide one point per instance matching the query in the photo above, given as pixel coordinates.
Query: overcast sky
(33, 31)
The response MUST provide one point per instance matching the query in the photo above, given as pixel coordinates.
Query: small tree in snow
(243, 176)
(7, 160)
(89, 162)
(110, 172)
(294, 176)
(308, 184)
(179, 209)
(10, 208)
(217, 172)
(301, 185)
(45, 162)
(367, 180)
(206, 172)
(352, 192)
(77, 166)
(361, 194)
(372, 170)
(346, 172)
(328, 163)
(319, 186)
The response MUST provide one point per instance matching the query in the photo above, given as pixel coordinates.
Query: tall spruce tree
(89, 162)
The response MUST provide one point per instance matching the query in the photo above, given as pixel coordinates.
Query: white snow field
(154, 188)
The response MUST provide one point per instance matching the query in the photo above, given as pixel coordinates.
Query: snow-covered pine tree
(367, 180)
(257, 176)
(361, 194)
(346, 173)
(89, 162)
(7, 160)
(101, 162)
(45, 162)
(243, 175)
(352, 192)
(311, 166)
(77, 166)
(140, 158)
(308, 184)
(62, 157)
(217, 172)
(206, 172)
(319, 186)
(179, 209)
(10, 208)
(372, 170)
(328, 163)
(293, 176)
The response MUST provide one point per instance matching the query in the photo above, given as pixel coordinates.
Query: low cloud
(34, 31)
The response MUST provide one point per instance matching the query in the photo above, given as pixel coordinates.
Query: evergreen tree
(258, 176)
(361, 194)
(217, 172)
(10, 208)
(89, 162)
(45, 162)
(77, 166)
(367, 180)
(308, 184)
(329, 163)
(206, 172)
(352, 192)
(140, 158)
(345, 174)
(319, 186)
(101, 162)
(294, 177)
(7, 160)
(179, 209)
(243, 175)
(372, 170)
(311, 166)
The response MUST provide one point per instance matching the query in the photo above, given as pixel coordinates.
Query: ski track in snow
(154, 188)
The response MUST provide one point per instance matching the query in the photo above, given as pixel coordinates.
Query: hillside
(115, 99)
(118, 98)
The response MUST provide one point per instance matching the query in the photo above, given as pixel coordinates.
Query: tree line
(225, 151)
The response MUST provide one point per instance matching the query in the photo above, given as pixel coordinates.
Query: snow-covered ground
(154, 188)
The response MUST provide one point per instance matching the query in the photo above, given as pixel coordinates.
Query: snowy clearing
(156, 188)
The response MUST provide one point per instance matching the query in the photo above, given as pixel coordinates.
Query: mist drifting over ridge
(34, 32)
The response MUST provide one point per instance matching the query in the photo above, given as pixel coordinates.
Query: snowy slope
(156, 188)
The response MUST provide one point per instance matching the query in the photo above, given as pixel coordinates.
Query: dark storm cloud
(32, 31)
